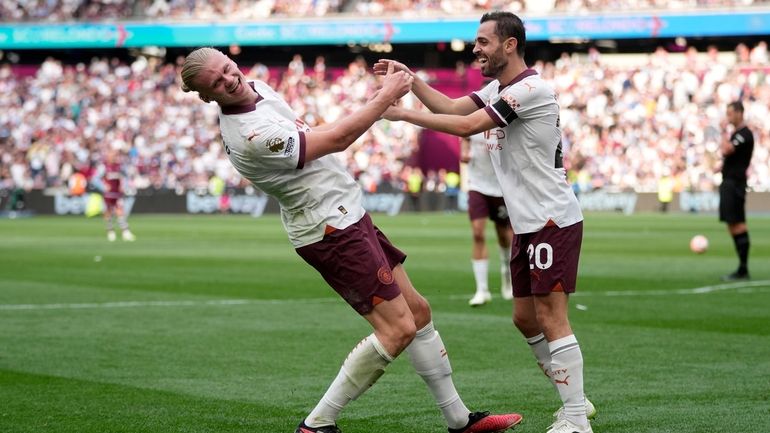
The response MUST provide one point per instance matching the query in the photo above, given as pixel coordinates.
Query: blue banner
(343, 31)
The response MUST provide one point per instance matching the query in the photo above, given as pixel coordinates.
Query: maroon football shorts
(111, 202)
(357, 262)
(486, 206)
(546, 261)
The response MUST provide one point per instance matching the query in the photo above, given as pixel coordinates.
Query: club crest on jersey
(511, 101)
(275, 145)
(385, 275)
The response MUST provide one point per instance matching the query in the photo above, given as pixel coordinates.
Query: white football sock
(505, 268)
(505, 263)
(539, 346)
(363, 366)
(567, 375)
(480, 270)
(431, 362)
(122, 223)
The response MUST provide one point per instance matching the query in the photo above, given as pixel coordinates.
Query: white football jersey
(481, 174)
(265, 142)
(528, 155)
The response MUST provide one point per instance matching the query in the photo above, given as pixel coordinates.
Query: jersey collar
(524, 74)
(246, 108)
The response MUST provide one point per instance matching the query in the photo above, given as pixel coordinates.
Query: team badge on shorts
(385, 275)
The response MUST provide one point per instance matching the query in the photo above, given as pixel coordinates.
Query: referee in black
(732, 193)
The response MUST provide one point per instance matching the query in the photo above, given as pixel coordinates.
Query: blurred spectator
(665, 190)
(413, 181)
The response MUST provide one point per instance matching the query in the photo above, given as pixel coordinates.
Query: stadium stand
(627, 118)
(625, 121)
(58, 120)
(535, 7)
(95, 10)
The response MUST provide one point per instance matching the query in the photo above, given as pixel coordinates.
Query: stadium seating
(68, 10)
(624, 126)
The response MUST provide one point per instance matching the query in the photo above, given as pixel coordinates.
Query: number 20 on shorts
(540, 255)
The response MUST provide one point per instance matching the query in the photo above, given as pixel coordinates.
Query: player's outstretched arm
(347, 130)
(461, 126)
(436, 101)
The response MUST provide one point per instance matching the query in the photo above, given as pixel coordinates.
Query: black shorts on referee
(732, 201)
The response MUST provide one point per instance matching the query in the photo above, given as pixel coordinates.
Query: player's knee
(478, 237)
(403, 334)
(396, 337)
(525, 324)
(555, 326)
(736, 228)
(421, 312)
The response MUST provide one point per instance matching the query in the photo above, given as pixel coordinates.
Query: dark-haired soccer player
(523, 113)
(737, 152)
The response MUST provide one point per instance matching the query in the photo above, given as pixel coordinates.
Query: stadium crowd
(68, 10)
(537, 7)
(625, 124)
(62, 119)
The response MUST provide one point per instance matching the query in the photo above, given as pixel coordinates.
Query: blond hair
(193, 64)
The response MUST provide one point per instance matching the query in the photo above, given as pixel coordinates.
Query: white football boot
(128, 236)
(480, 298)
(590, 411)
(111, 236)
(565, 426)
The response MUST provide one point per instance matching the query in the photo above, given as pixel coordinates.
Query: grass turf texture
(214, 324)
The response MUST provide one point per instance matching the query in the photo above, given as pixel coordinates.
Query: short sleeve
(742, 137)
(482, 97)
(276, 147)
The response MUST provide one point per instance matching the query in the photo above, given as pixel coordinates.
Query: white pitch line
(696, 291)
(134, 304)
(743, 287)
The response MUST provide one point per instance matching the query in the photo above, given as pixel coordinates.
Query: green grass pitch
(214, 324)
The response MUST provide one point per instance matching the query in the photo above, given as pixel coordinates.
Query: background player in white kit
(321, 209)
(485, 201)
(523, 111)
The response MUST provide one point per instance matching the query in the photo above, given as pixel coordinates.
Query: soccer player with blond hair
(321, 209)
